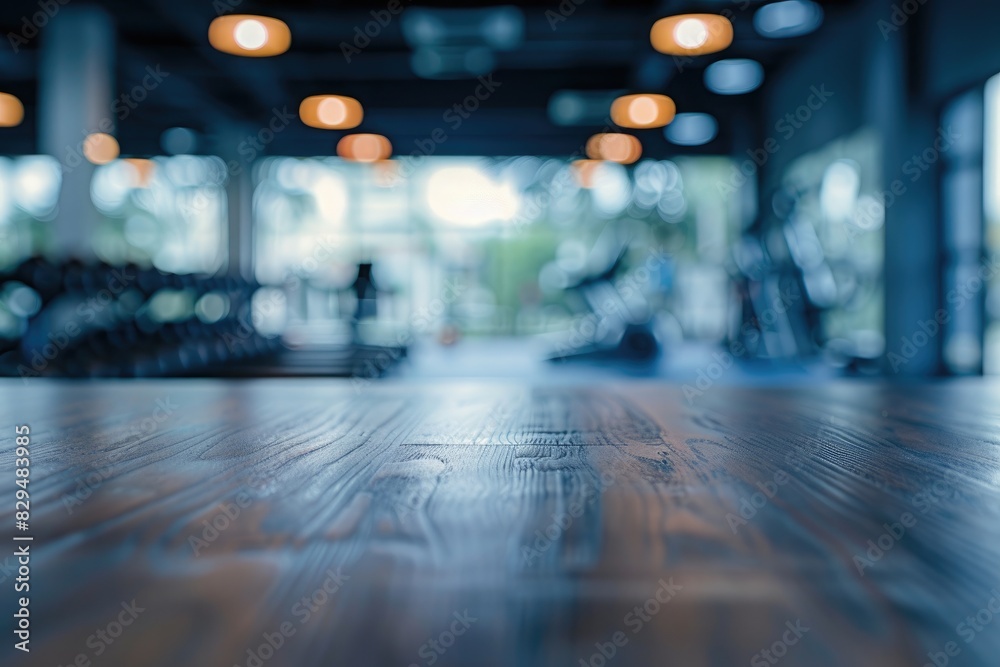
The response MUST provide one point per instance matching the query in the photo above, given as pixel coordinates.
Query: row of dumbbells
(176, 348)
(58, 341)
(76, 277)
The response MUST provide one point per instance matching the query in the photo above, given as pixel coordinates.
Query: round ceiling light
(246, 35)
(614, 147)
(250, 34)
(100, 148)
(643, 111)
(691, 34)
(364, 147)
(331, 112)
(11, 110)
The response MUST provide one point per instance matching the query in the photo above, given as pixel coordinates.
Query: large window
(500, 237)
(169, 212)
(29, 192)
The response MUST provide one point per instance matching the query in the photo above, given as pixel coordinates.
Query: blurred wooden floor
(498, 524)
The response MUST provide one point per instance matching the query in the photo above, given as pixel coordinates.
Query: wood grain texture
(547, 514)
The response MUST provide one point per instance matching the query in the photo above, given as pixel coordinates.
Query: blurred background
(704, 191)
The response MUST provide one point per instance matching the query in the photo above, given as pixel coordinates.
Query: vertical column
(76, 80)
(912, 219)
(239, 196)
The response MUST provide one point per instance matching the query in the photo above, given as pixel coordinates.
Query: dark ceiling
(602, 45)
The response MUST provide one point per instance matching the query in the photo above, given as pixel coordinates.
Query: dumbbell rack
(94, 321)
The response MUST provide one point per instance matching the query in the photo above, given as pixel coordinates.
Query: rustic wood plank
(546, 513)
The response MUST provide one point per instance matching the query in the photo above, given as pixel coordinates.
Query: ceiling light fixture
(643, 111)
(614, 147)
(691, 34)
(144, 168)
(364, 147)
(100, 148)
(586, 172)
(247, 35)
(11, 110)
(331, 112)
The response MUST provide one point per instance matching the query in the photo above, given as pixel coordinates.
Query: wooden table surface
(328, 523)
